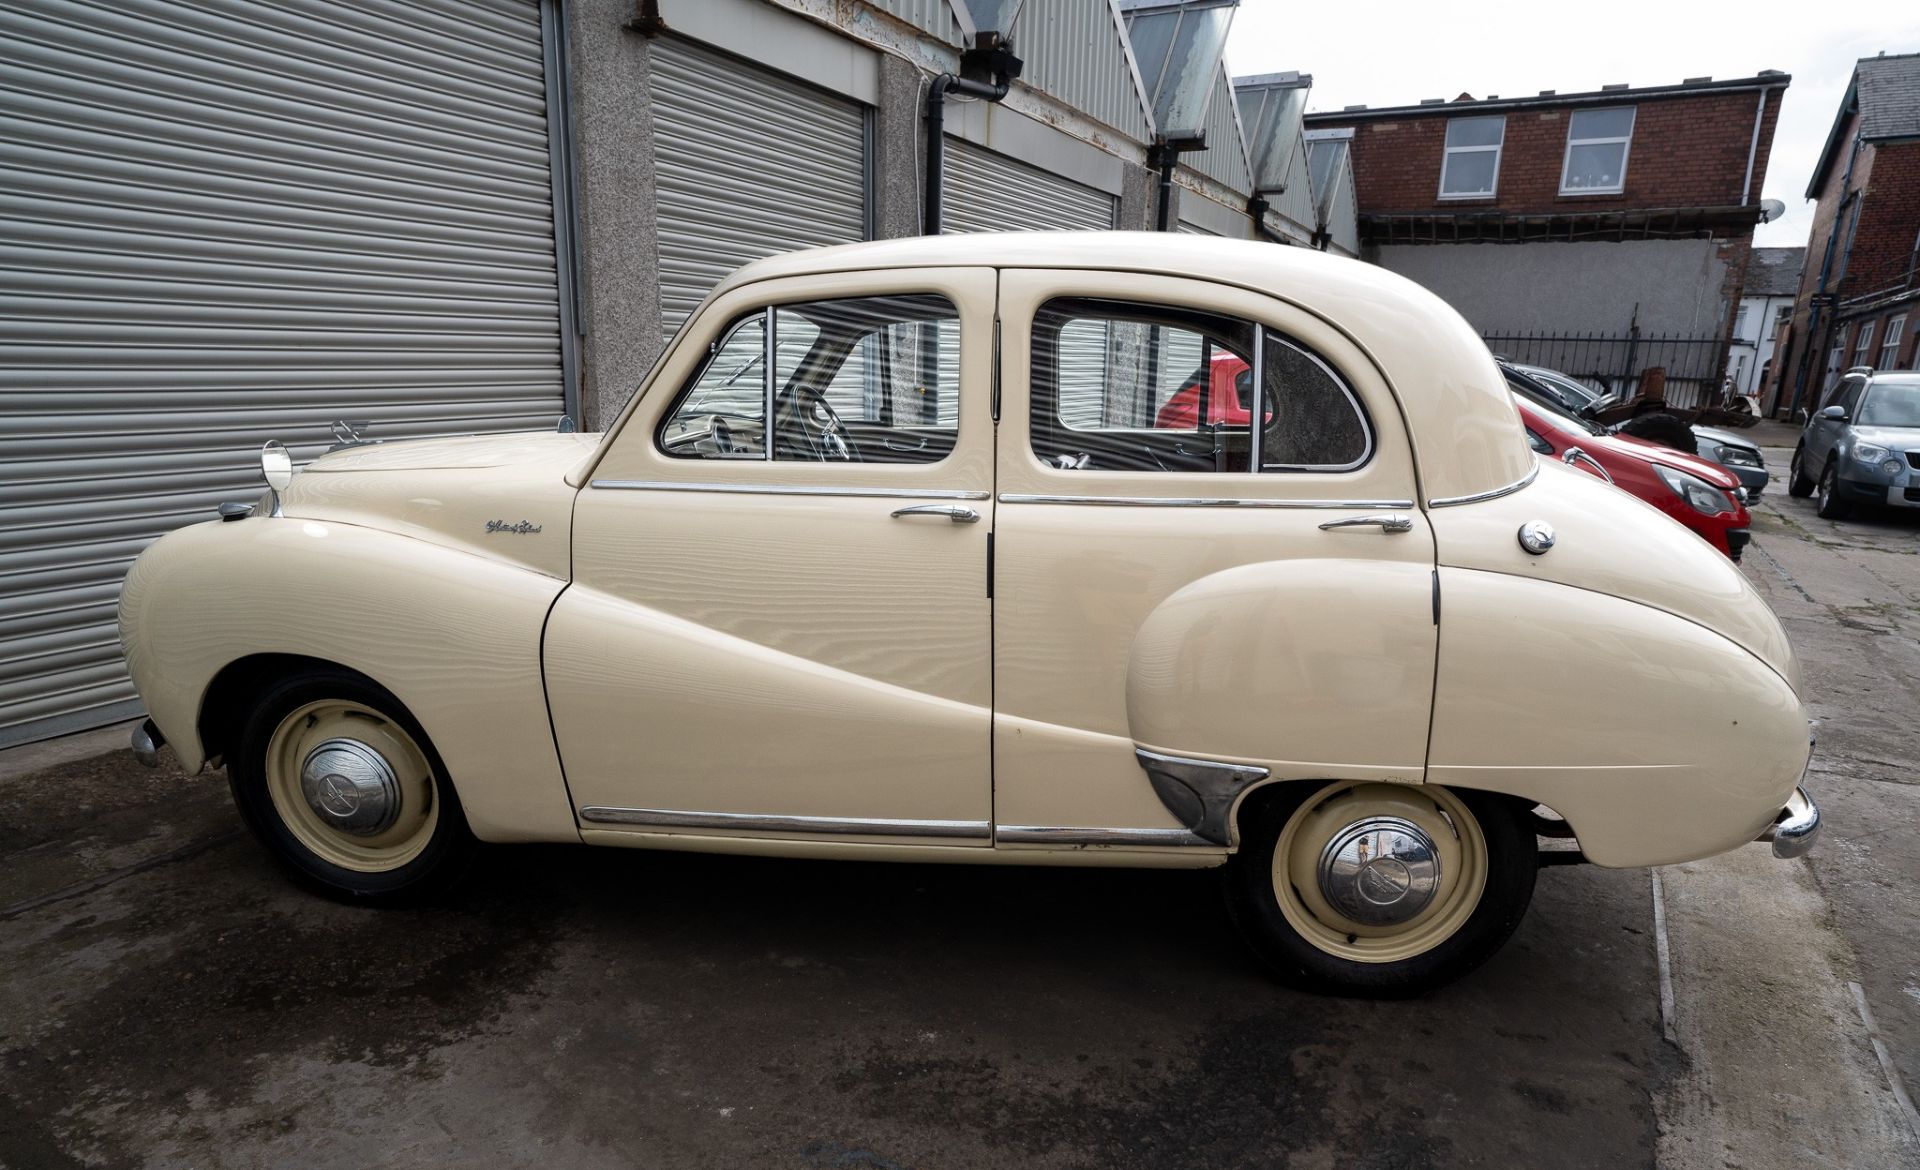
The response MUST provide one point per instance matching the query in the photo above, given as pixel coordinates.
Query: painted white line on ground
(1665, 958)
(1886, 1059)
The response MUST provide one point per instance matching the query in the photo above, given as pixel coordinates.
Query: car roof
(1465, 434)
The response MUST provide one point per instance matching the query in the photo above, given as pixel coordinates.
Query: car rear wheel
(342, 786)
(1799, 484)
(1379, 889)
(1831, 506)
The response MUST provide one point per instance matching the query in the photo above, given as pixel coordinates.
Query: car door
(1823, 433)
(1223, 594)
(778, 624)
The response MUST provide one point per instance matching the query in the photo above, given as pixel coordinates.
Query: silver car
(1863, 445)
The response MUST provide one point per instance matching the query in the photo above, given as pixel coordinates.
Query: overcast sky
(1395, 53)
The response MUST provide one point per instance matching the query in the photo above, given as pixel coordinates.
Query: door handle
(1391, 522)
(953, 512)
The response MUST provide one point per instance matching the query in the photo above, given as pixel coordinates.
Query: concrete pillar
(613, 164)
(898, 130)
(1138, 192)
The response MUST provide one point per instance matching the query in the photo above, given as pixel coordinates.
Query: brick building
(1600, 232)
(1859, 302)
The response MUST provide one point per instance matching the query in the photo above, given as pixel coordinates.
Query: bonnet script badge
(523, 528)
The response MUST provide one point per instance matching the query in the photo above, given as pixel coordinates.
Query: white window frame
(1447, 153)
(1890, 344)
(1626, 150)
(1863, 343)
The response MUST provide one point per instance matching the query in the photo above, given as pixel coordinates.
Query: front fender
(455, 636)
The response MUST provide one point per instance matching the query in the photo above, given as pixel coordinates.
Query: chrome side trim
(765, 823)
(754, 489)
(1496, 493)
(1199, 792)
(1067, 835)
(1197, 501)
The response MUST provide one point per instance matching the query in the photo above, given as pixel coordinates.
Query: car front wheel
(342, 786)
(1379, 889)
(1831, 506)
(1799, 484)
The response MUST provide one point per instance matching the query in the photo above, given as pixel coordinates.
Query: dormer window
(1471, 168)
(1597, 142)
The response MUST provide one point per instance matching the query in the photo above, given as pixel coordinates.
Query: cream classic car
(888, 559)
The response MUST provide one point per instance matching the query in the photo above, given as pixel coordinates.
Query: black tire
(1830, 505)
(1668, 430)
(439, 863)
(1252, 902)
(1799, 486)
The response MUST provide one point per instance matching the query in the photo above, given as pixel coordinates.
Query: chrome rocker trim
(657, 818)
(1196, 501)
(1496, 493)
(1199, 792)
(754, 489)
(1069, 835)
(1797, 827)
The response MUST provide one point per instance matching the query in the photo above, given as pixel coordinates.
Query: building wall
(1677, 285)
(1883, 244)
(1686, 151)
(1753, 340)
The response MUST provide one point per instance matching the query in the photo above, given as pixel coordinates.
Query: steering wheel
(821, 433)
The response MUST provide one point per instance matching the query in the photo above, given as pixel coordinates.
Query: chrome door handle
(1391, 522)
(953, 512)
(1573, 456)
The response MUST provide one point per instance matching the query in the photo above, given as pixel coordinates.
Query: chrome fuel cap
(351, 787)
(1381, 871)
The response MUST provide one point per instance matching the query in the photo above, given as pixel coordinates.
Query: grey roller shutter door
(227, 222)
(747, 163)
(989, 192)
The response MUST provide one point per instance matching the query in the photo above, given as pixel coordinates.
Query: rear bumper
(1796, 829)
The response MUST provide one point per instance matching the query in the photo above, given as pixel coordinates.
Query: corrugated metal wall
(989, 192)
(929, 16)
(1225, 158)
(747, 163)
(223, 223)
(1076, 50)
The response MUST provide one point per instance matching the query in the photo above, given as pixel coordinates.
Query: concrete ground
(166, 999)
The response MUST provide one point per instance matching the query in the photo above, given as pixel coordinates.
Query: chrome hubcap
(351, 787)
(1381, 871)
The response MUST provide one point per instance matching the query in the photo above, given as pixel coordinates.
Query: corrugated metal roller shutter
(226, 223)
(989, 192)
(746, 164)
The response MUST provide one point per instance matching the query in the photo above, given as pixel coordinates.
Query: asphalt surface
(166, 999)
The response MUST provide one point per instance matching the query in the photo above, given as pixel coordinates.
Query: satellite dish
(1771, 209)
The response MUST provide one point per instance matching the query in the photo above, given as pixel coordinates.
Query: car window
(1849, 399)
(862, 379)
(1125, 386)
(1537, 443)
(1891, 404)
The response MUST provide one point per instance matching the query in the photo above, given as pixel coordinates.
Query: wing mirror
(1834, 414)
(277, 465)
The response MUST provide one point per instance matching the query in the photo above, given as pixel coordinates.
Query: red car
(1701, 495)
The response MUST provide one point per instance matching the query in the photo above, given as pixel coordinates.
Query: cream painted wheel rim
(1460, 847)
(312, 728)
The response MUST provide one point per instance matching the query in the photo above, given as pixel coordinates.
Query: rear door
(1214, 592)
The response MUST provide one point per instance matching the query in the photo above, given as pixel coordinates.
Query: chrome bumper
(1797, 828)
(146, 743)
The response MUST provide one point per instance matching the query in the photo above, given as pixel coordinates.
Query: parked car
(1862, 446)
(1698, 494)
(887, 560)
(1737, 454)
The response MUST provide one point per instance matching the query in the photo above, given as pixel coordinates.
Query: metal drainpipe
(1813, 339)
(937, 137)
(1257, 207)
(1169, 157)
